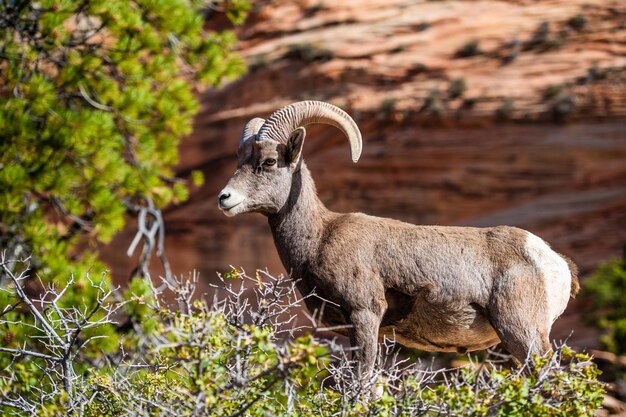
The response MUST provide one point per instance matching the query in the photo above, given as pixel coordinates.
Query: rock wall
(472, 113)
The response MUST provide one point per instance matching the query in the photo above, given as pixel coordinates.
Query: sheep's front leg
(364, 337)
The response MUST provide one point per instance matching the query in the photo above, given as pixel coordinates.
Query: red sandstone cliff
(473, 113)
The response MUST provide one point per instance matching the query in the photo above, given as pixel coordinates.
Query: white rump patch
(555, 273)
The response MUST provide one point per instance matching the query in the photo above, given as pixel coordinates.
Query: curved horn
(251, 129)
(283, 122)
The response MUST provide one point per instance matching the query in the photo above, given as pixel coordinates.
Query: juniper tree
(95, 97)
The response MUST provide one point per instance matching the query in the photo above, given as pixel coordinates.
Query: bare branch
(19, 352)
(20, 293)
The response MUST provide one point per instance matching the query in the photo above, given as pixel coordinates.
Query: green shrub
(242, 356)
(561, 383)
(563, 106)
(457, 88)
(387, 108)
(506, 110)
(578, 22)
(469, 49)
(309, 52)
(605, 290)
(434, 103)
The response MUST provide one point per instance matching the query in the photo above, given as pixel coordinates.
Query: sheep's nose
(224, 195)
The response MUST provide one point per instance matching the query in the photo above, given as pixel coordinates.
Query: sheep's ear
(294, 146)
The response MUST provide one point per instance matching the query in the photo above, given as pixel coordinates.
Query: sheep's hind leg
(519, 314)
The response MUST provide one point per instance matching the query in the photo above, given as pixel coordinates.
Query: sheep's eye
(269, 162)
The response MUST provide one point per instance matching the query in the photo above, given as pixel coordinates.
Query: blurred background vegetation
(472, 113)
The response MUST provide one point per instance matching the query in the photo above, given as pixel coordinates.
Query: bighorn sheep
(434, 288)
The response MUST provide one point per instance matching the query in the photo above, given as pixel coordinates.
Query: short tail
(573, 269)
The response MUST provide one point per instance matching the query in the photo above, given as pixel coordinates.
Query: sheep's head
(270, 152)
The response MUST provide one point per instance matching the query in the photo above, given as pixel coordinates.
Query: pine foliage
(95, 97)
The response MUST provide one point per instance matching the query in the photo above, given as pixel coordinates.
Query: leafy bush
(469, 49)
(245, 355)
(578, 22)
(605, 289)
(457, 88)
(506, 110)
(94, 99)
(309, 52)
